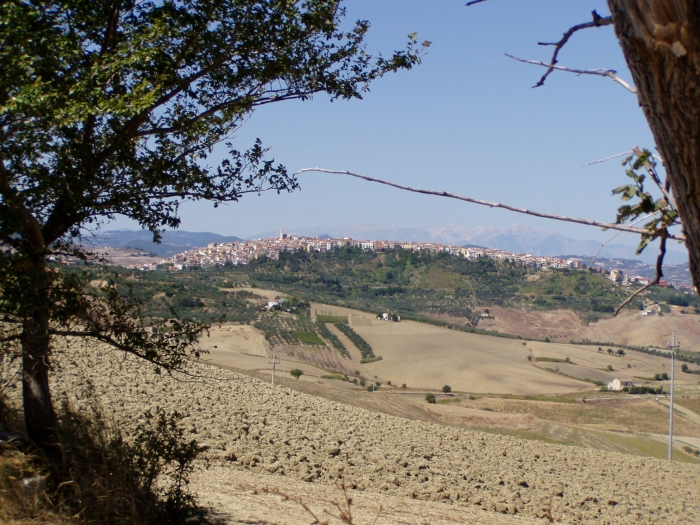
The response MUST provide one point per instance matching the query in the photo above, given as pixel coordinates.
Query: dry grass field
(288, 439)
(629, 327)
(538, 399)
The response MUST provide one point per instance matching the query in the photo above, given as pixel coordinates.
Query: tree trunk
(39, 414)
(661, 43)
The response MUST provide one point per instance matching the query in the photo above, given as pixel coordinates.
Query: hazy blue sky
(465, 121)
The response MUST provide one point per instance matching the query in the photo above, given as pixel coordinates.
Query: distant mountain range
(516, 238)
(173, 241)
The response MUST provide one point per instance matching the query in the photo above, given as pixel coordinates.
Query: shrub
(446, 389)
(529, 357)
(610, 368)
(296, 372)
(430, 398)
(404, 386)
(105, 478)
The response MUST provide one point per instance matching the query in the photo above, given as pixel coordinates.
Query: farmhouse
(618, 384)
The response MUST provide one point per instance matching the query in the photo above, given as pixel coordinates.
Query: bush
(106, 478)
(430, 398)
(404, 386)
(296, 372)
(610, 368)
(446, 389)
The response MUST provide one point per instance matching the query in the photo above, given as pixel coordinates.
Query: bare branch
(610, 73)
(598, 21)
(607, 158)
(587, 222)
(657, 279)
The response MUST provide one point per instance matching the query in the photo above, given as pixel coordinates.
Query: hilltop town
(242, 252)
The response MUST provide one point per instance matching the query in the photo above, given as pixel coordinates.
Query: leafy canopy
(114, 107)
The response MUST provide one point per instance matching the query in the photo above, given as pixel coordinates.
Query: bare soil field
(564, 325)
(251, 426)
(426, 357)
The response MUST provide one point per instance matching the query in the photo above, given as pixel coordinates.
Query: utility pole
(274, 363)
(673, 347)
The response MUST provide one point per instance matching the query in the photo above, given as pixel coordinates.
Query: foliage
(662, 212)
(309, 338)
(644, 389)
(296, 372)
(446, 389)
(356, 339)
(430, 398)
(331, 338)
(331, 318)
(109, 478)
(114, 109)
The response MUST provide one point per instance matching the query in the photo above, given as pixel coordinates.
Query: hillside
(561, 305)
(279, 434)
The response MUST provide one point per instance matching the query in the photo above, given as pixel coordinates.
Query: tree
(430, 398)
(296, 372)
(446, 389)
(114, 108)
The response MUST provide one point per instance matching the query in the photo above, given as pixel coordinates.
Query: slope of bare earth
(629, 327)
(251, 426)
(427, 357)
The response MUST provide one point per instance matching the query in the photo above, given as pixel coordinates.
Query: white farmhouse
(618, 384)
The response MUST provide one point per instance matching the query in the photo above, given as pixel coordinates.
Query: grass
(371, 359)
(554, 360)
(103, 478)
(550, 399)
(337, 377)
(309, 338)
(599, 440)
(331, 319)
(691, 403)
(451, 401)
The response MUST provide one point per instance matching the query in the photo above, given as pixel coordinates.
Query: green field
(309, 338)
(331, 319)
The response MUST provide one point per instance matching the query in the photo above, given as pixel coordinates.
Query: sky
(466, 120)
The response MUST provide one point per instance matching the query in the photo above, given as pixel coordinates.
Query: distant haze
(516, 238)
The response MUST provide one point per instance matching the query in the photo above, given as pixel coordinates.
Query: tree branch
(598, 21)
(587, 222)
(610, 73)
(657, 279)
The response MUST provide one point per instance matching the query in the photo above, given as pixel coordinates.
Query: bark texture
(661, 43)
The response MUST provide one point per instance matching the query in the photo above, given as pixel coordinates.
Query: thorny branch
(610, 73)
(587, 222)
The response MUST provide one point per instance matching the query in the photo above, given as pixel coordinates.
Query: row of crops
(281, 328)
(362, 345)
(332, 339)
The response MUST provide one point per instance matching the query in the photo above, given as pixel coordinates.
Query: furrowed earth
(289, 439)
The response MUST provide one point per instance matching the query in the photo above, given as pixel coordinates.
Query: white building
(618, 384)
